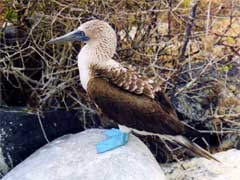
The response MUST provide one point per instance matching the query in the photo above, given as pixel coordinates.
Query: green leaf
(11, 15)
(186, 3)
(226, 68)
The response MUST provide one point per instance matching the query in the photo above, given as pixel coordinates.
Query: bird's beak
(75, 35)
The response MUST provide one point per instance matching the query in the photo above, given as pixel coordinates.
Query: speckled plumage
(126, 79)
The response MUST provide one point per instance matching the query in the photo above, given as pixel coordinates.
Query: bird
(124, 95)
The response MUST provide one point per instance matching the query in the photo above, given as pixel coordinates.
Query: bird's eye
(81, 36)
(81, 33)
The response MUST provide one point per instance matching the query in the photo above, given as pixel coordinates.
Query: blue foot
(115, 138)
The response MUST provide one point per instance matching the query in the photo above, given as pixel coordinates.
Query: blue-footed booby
(124, 95)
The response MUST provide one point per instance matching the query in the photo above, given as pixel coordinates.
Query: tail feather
(194, 148)
(182, 141)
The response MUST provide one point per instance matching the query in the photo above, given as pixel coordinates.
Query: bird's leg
(115, 138)
(124, 129)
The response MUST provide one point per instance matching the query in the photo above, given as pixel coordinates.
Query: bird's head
(95, 33)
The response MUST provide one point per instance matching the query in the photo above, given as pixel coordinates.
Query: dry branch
(189, 27)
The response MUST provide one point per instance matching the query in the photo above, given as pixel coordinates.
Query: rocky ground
(200, 168)
(74, 157)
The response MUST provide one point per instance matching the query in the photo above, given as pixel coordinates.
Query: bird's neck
(92, 55)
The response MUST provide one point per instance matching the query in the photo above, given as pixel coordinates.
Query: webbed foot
(115, 138)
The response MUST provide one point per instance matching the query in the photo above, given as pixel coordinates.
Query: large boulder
(22, 133)
(200, 168)
(74, 157)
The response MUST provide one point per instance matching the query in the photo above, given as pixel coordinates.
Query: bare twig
(187, 34)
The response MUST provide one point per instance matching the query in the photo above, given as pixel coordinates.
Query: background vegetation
(192, 48)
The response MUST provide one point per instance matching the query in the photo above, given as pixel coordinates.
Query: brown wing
(133, 110)
(129, 80)
(126, 79)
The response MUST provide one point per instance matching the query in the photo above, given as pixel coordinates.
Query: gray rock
(200, 168)
(4, 168)
(73, 157)
(21, 133)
